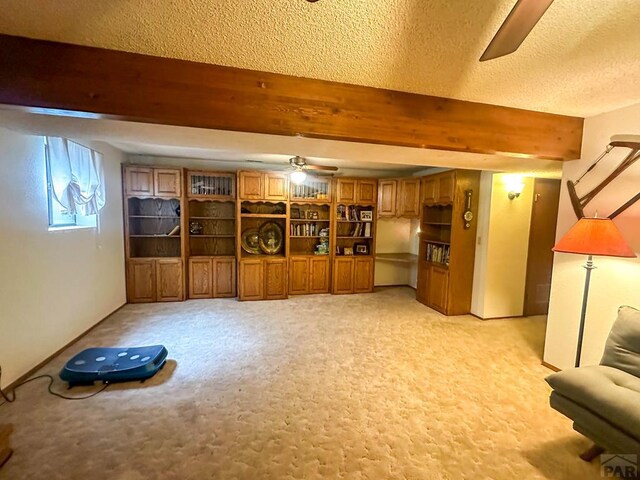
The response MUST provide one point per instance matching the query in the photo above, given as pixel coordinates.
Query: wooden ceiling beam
(62, 78)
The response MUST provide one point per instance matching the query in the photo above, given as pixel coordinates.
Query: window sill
(70, 227)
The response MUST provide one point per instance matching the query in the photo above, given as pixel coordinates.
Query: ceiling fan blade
(320, 167)
(518, 24)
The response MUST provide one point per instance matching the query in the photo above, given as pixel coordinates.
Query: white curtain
(76, 175)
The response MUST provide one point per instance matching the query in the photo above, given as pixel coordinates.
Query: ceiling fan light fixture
(298, 177)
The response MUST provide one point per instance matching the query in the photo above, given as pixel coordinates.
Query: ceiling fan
(518, 24)
(299, 165)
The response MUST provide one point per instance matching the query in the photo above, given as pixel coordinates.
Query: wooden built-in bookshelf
(155, 239)
(447, 240)
(212, 234)
(310, 240)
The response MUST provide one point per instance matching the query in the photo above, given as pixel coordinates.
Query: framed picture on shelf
(366, 215)
(361, 249)
(348, 251)
(295, 212)
(312, 215)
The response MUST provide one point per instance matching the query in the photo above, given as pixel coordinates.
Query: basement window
(75, 191)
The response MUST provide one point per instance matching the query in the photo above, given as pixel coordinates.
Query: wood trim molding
(24, 377)
(551, 367)
(143, 88)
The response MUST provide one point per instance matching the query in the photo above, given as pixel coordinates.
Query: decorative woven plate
(270, 238)
(250, 241)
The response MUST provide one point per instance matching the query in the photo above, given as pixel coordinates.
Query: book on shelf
(174, 231)
(304, 229)
(438, 253)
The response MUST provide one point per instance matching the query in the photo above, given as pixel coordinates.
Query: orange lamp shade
(595, 236)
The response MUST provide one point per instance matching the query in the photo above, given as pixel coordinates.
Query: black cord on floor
(12, 399)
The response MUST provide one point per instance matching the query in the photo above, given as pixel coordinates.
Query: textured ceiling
(581, 59)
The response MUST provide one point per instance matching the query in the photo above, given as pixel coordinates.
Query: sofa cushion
(606, 391)
(622, 349)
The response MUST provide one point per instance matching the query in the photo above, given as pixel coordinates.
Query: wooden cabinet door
(298, 275)
(275, 186)
(251, 185)
(409, 198)
(141, 281)
(200, 278)
(422, 288)
(138, 181)
(251, 280)
(224, 277)
(319, 275)
(275, 276)
(367, 191)
(343, 275)
(169, 280)
(446, 187)
(429, 190)
(346, 190)
(438, 288)
(363, 276)
(387, 192)
(167, 182)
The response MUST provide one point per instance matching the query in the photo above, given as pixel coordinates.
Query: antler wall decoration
(617, 141)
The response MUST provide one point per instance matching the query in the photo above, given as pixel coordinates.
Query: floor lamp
(592, 236)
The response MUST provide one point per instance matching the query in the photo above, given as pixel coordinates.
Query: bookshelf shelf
(262, 215)
(212, 236)
(155, 216)
(156, 236)
(211, 218)
(437, 242)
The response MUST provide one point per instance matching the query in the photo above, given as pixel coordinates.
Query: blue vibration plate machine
(111, 365)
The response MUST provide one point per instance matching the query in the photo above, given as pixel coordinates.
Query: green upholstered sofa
(604, 400)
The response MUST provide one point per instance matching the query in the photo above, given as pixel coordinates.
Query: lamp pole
(588, 267)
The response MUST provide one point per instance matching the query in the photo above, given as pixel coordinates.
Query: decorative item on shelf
(195, 228)
(592, 236)
(295, 212)
(348, 251)
(177, 210)
(323, 247)
(341, 212)
(366, 215)
(250, 241)
(467, 216)
(270, 238)
(312, 214)
(174, 231)
(361, 248)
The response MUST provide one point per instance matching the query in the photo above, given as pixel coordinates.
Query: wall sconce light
(514, 185)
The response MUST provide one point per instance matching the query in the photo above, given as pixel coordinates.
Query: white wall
(616, 281)
(53, 285)
(502, 248)
(393, 235)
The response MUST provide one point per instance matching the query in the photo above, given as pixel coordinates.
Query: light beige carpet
(352, 387)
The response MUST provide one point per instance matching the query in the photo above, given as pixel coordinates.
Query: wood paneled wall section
(167, 91)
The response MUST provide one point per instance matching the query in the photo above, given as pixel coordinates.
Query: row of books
(438, 253)
(360, 230)
(308, 230)
(351, 213)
